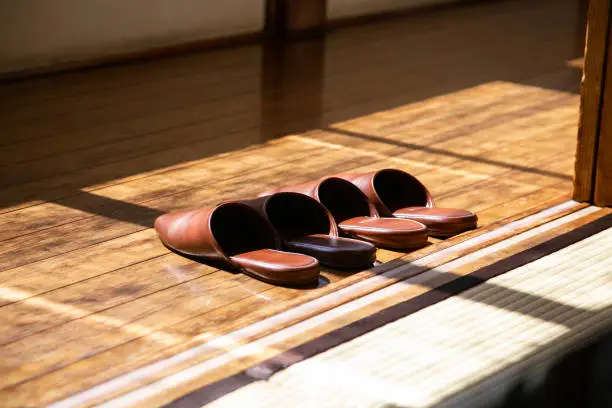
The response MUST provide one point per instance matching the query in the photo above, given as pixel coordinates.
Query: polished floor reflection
(478, 101)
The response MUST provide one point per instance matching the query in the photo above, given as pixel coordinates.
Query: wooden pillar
(293, 67)
(593, 170)
(581, 26)
(294, 17)
(603, 159)
(292, 83)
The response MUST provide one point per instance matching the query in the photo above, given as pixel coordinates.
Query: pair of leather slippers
(338, 221)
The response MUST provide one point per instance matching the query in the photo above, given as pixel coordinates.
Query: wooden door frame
(593, 168)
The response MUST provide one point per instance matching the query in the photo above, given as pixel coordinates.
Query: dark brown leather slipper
(239, 237)
(305, 226)
(399, 194)
(356, 217)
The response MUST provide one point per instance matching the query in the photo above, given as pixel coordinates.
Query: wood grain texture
(596, 55)
(473, 346)
(169, 340)
(89, 159)
(404, 291)
(603, 166)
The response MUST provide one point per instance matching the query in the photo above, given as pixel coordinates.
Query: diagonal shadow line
(443, 152)
(565, 314)
(484, 274)
(112, 208)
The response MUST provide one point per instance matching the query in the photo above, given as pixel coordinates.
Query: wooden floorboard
(441, 141)
(270, 348)
(63, 185)
(473, 68)
(90, 158)
(475, 342)
(19, 250)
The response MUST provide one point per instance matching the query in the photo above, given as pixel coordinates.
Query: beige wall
(36, 33)
(40, 33)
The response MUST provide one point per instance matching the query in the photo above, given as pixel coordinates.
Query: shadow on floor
(580, 379)
(443, 152)
(565, 380)
(66, 132)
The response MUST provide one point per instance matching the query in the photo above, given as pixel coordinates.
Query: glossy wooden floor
(468, 349)
(478, 101)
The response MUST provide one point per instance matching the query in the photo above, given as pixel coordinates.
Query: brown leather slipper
(305, 226)
(238, 237)
(356, 217)
(399, 194)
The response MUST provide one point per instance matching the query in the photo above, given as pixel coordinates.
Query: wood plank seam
(390, 278)
(571, 205)
(176, 192)
(194, 186)
(132, 279)
(493, 288)
(211, 102)
(290, 331)
(25, 298)
(105, 240)
(64, 194)
(207, 136)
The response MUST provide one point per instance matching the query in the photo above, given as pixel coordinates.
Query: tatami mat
(95, 310)
(534, 311)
